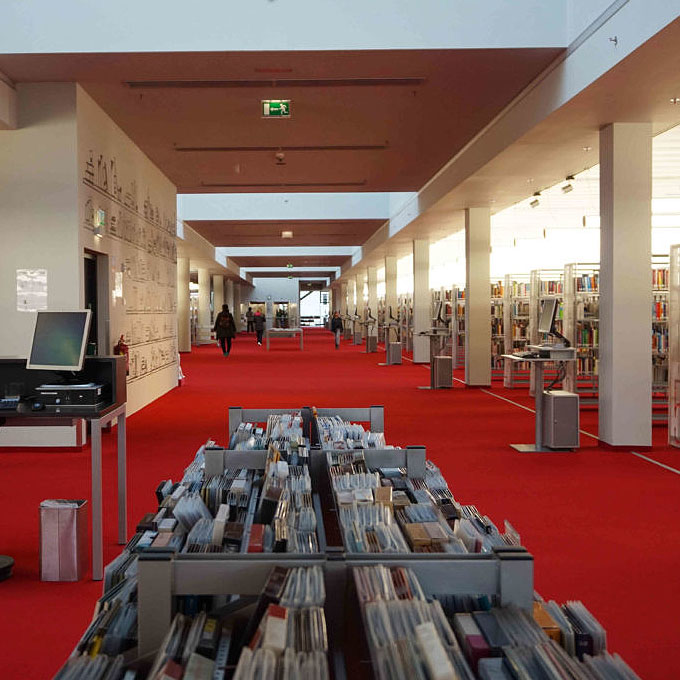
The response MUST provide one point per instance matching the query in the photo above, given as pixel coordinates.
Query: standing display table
(538, 363)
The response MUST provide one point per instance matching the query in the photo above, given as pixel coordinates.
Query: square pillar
(625, 374)
(372, 280)
(391, 286)
(236, 294)
(342, 302)
(421, 301)
(229, 296)
(183, 305)
(204, 325)
(218, 294)
(477, 302)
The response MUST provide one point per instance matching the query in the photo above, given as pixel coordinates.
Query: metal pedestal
(538, 446)
(371, 344)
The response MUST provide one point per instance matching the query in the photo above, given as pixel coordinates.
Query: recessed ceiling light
(675, 100)
(289, 265)
(286, 234)
(587, 148)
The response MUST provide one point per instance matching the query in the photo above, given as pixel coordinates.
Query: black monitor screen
(59, 340)
(545, 322)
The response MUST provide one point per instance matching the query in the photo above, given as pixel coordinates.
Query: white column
(183, 305)
(477, 303)
(342, 302)
(421, 300)
(236, 303)
(625, 375)
(203, 306)
(391, 286)
(372, 280)
(350, 295)
(229, 296)
(218, 294)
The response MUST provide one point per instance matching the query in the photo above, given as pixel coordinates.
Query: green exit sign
(276, 108)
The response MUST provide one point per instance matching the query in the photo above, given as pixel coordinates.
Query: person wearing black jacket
(225, 329)
(260, 322)
(336, 328)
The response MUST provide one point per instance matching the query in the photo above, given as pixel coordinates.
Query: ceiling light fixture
(567, 188)
(675, 100)
(286, 234)
(535, 203)
(289, 265)
(587, 148)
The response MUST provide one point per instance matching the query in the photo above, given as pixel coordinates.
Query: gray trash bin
(63, 540)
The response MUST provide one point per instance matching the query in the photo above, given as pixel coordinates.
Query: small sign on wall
(31, 290)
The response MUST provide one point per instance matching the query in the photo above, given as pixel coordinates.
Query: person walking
(225, 329)
(249, 320)
(336, 328)
(259, 323)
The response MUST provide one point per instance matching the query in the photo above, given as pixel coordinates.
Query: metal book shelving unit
(506, 573)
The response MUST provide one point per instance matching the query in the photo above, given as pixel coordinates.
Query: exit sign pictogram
(276, 108)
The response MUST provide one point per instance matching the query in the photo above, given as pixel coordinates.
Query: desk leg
(122, 480)
(97, 542)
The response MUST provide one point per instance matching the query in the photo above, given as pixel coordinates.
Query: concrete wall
(38, 208)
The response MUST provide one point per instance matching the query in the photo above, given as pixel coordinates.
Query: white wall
(139, 238)
(271, 289)
(38, 207)
(172, 25)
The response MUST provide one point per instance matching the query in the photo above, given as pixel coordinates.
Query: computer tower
(441, 372)
(393, 353)
(560, 419)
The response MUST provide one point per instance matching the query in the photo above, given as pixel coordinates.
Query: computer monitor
(438, 311)
(546, 321)
(59, 340)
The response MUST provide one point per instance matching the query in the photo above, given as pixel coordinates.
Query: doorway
(96, 298)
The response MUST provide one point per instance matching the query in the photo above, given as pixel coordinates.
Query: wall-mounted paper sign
(117, 286)
(31, 290)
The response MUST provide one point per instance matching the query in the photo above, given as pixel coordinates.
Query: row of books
(519, 308)
(587, 336)
(413, 636)
(554, 287)
(660, 307)
(496, 312)
(660, 279)
(587, 282)
(520, 289)
(660, 340)
(385, 511)
(497, 289)
(336, 433)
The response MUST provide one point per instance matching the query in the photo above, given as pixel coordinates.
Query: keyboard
(9, 403)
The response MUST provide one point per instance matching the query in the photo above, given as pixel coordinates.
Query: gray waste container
(63, 540)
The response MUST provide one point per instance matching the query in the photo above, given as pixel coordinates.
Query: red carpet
(602, 525)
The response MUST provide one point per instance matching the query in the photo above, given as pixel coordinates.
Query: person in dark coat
(225, 329)
(336, 328)
(259, 321)
(249, 319)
